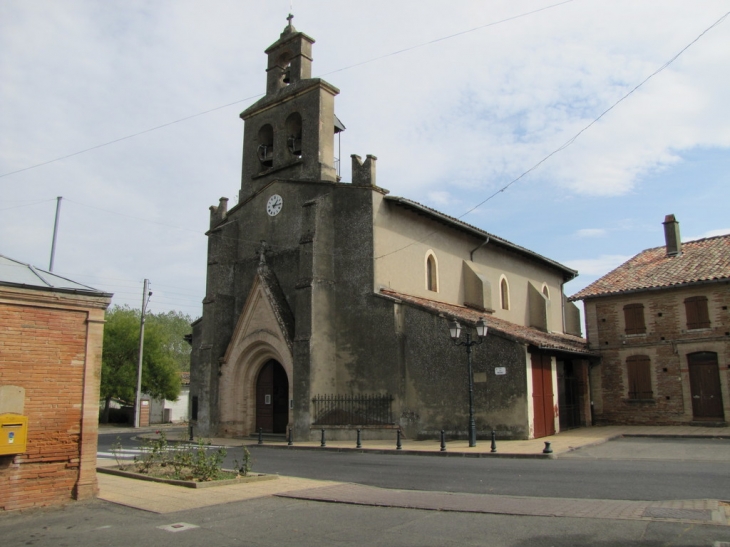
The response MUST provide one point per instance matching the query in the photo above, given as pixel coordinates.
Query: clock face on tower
(273, 206)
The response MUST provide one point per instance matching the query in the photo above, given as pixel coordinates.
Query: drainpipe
(471, 253)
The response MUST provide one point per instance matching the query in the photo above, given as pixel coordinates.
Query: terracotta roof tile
(526, 335)
(702, 260)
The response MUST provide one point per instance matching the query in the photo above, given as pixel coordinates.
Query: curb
(445, 454)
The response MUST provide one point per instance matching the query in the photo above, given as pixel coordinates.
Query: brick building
(51, 333)
(661, 324)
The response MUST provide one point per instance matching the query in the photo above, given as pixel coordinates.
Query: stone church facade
(327, 301)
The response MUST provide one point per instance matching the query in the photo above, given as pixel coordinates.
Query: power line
(570, 141)
(398, 52)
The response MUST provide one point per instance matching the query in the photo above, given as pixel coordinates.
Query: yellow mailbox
(13, 434)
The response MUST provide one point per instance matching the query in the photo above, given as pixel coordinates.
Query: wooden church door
(272, 398)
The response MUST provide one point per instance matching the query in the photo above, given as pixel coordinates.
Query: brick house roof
(527, 335)
(701, 261)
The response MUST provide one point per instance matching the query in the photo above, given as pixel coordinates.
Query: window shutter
(639, 377)
(698, 316)
(634, 318)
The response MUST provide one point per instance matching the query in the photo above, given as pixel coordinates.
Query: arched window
(266, 146)
(638, 373)
(294, 134)
(431, 272)
(504, 293)
(546, 291)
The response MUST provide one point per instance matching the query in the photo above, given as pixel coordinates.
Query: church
(327, 302)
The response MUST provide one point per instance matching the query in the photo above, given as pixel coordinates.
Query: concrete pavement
(161, 498)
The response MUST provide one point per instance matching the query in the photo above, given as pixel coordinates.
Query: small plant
(116, 450)
(156, 452)
(244, 467)
(207, 466)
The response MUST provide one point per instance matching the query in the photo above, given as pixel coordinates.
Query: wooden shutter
(698, 316)
(634, 317)
(639, 377)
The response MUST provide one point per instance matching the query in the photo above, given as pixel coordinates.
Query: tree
(174, 325)
(160, 374)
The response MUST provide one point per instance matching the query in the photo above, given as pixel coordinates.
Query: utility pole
(55, 232)
(146, 293)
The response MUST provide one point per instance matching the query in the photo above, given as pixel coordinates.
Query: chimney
(671, 236)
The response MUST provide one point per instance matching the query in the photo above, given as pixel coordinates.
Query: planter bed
(251, 477)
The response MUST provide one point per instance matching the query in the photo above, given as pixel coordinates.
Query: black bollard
(290, 441)
(547, 449)
(494, 441)
(398, 445)
(191, 433)
(261, 435)
(443, 441)
(359, 443)
(324, 442)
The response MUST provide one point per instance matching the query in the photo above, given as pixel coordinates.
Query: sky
(129, 109)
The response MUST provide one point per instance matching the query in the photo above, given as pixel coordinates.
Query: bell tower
(289, 133)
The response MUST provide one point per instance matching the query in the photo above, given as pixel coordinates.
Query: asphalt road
(275, 522)
(568, 478)
(619, 469)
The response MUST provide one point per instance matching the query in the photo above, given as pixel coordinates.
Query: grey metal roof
(20, 274)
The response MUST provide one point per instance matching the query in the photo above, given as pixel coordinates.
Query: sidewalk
(163, 498)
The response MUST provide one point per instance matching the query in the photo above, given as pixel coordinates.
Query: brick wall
(667, 342)
(47, 350)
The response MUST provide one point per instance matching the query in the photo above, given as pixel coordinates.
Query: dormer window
(266, 146)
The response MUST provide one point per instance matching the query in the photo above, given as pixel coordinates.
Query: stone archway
(238, 382)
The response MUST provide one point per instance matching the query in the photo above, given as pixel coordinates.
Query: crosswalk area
(131, 453)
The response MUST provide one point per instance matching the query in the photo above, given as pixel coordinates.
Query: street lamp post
(455, 332)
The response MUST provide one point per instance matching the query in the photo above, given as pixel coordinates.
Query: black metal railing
(353, 409)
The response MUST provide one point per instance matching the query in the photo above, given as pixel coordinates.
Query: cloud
(597, 266)
(591, 232)
(451, 122)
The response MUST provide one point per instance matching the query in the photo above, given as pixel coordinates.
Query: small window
(431, 273)
(638, 368)
(194, 408)
(546, 291)
(634, 317)
(697, 314)
(504, 293)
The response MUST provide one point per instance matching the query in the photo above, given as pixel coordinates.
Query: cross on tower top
(289, 18)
